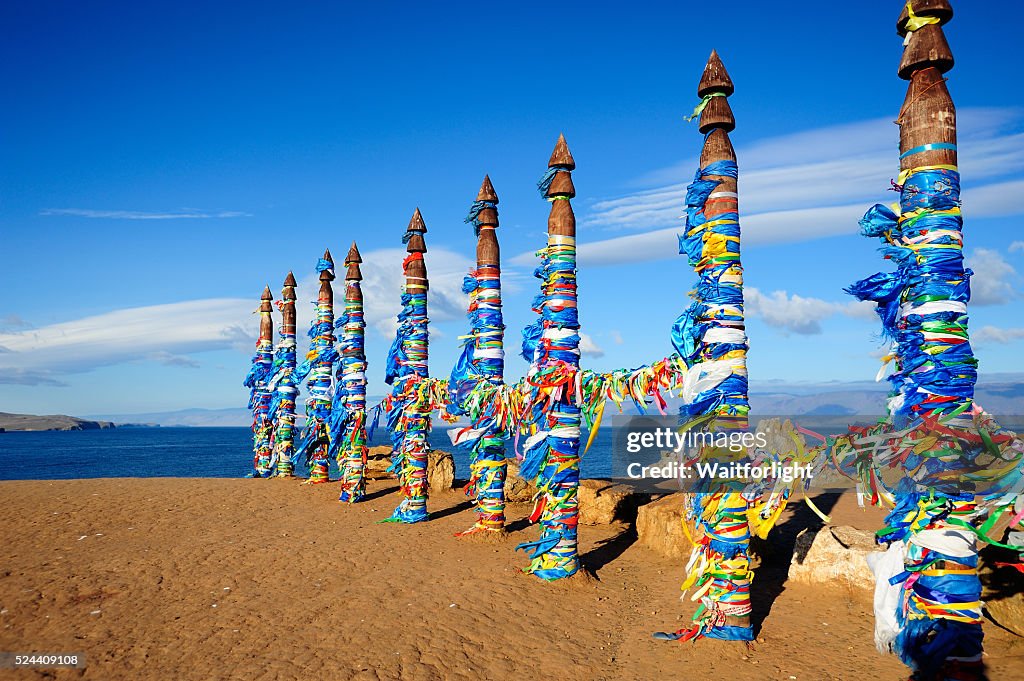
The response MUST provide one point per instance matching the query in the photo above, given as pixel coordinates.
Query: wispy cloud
(145, 215)
(172, 334)
(163, 333)
(994, 334)
(806, 185)
(34, 377)
(588, 347)
(994, 278)
(797, 314)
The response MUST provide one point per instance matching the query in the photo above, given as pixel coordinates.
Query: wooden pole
(318, 405)
(935, 367)
(556, 460)
(262, 426)
(352, 383)
(410, 415)
(483, 361)
(287, 391)
(716, 321)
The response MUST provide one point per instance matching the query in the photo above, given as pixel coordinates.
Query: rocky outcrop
(517, 490)
(378, 459)
(833, 555)
(659, 526)
(440, 467)
(603, 502)
(440, 471)
(29, 422)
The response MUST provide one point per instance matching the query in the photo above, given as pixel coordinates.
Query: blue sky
(161, 162)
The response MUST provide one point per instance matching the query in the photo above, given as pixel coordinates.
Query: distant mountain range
(999, 394)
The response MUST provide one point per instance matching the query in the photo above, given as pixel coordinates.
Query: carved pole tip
(486, 192)
(561, 156)
(715, 78)
(940, 9)
(416, 223)
(290, 280)
(353, 254)
(267, 295)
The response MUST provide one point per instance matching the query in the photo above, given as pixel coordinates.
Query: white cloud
(588, 347)
(994, 334)
(834, 174)
(616, 336)
(1016, 247)
(144, 215)
(993, 280)
(169, 334)
(798, 314)
(382, 289)
(163, 333)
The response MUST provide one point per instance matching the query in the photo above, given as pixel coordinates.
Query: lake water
(182, 452)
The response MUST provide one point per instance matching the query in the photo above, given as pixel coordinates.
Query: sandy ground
(267, 579)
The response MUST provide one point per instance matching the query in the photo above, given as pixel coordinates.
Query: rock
(378, 459)
(602, 502)
(659, 526)
(440, 471)
(1007, 612)
(1001, 591)
(517, 490)
(833, 555)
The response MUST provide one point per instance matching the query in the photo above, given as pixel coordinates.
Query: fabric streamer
(260, 395)
(318, 366)
(482, 361)
(351, 391)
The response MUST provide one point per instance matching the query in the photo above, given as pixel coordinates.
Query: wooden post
(259, 402)
(483, 362)
(318, 405)
(352, 383)
(715, 322)
(409, 417)
(935, 367)
(554, 458)
(287, 390)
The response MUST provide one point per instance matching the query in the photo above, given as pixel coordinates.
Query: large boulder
(1001, 582)
(440, 471)
(517, 490)
(659, 526)
(378, 459)
(833, 555)
(602, 502)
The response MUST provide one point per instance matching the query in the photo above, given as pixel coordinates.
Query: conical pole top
(939, 9)
(267, 295)
(353, 255)
(288, 294)
(561, 156)
(352, 260)
(486, 192)
(715, 78)
(327, 275)
(416, 223)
